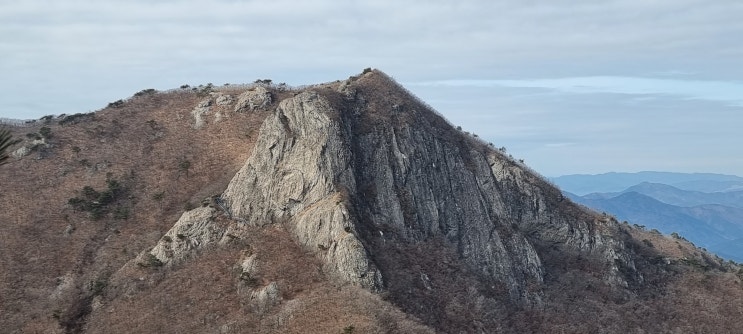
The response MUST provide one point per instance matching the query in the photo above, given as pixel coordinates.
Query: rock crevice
(346, 173)
(294, 178)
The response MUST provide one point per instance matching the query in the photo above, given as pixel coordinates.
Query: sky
(578, 86)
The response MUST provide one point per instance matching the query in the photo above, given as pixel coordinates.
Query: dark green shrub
(96, 287)
(150, 261)
(148, 91)
(77, 118)
(205, 90)
(183, 167)
(116, 104)
(89, 192)
(45, 132)
(158, 196)
(121, 213)
(96, 203)
(248, 279)
(676, 236)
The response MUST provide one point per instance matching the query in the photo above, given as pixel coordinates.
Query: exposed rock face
(296, 176)
(29, 147)
(341, 180)
(254, 99)
(224, 100)
(264, 298)
(348, 170)
(195, 229)
(199, 112)
(21, 152)
(421, 187)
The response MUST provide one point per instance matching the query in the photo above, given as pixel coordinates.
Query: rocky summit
(344, 207)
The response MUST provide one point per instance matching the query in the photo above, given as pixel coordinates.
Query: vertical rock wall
(294, 177)
(339, 178)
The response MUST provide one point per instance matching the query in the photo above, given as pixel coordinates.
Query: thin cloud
(454, 38)
(723, 91)
(612, 72)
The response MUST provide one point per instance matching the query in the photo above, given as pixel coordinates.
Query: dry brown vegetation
(142, 144)
(61, 268)
(65, 271)
(206, 295)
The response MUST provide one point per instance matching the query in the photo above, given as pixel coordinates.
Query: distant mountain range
(706, 209)
(582, 184)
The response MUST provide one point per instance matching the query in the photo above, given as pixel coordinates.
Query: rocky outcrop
(21, 152)
(217, 104)
(29, 147)
(200, 112)
(297, 177)
(258, 98)
(224, 100)
(349, 169)
(343, 179)
(195, 229)
(262, 299)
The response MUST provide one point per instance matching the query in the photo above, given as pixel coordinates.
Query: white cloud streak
(723, 91)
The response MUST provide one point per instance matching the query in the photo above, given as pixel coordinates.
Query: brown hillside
(82, 211)
(142, 144)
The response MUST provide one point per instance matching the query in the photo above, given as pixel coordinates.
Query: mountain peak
(345, 205)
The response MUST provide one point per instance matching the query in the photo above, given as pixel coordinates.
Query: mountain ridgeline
(583, 184)
(712, 219)
(340, 207)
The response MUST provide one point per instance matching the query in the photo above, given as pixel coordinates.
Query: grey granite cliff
(366, 163)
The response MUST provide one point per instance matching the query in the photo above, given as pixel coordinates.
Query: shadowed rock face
(347, 175)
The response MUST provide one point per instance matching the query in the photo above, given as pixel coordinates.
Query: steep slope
(369, 180)
(354, 207)
(396, 173)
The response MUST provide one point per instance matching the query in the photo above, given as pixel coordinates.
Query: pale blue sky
(569, 86)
